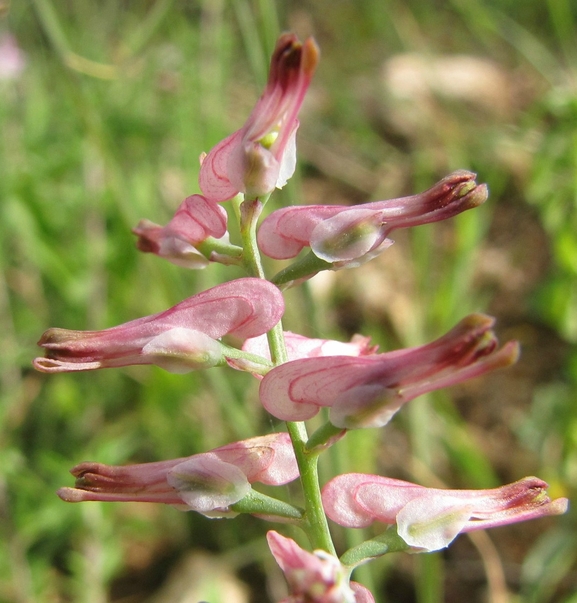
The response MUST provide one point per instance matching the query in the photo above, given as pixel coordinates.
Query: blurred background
(105, 107)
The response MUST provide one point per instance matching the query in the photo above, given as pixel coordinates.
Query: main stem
(317, 527)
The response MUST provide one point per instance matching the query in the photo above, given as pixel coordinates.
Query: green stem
(387, 542)
(226, 252)
(317, 528)
(257, 503)
(324, 437)
(317, 525)
(259, 364)
(250, 211)
(304, 268)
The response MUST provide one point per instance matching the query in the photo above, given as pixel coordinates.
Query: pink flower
(207, 483)
(262, 154)
(195, 220)
(314, 577)
(367, 391)
(429, 519)
(349, 236)
(180, 339)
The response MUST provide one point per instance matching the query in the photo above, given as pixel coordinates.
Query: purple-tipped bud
(261, 156)
(180, 339)
(429, 519)
(366, 391)
(348, 236)
(207, 483)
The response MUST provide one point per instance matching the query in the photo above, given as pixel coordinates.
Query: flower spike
(429, 519)
(366, 391)
(207, 483)
(261, 156)
(349, 236)
(180, 339)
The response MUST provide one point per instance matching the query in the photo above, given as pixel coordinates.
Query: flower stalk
(315, 518)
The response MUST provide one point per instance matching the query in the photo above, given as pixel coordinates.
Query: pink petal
(198, 218)
(362, 593)
(286, 231)
(214, 178)
(266, 459)
(299, 346)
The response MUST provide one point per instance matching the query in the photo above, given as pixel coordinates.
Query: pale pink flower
(207, 483)
(366, 391)
(312, 577)
(12, 58)
(299, 346)
(349, 236)
(428, 519)
(195, 220)
(180, 339)
(261, 156)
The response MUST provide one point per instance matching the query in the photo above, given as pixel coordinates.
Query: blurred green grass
(104, 127)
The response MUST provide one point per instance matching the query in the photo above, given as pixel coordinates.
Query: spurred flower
(366, 391)
(207, 483)
(261, 156)
(428, 519)
(180, 339)
(195, 220)
(314, 577)
(349, 236)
